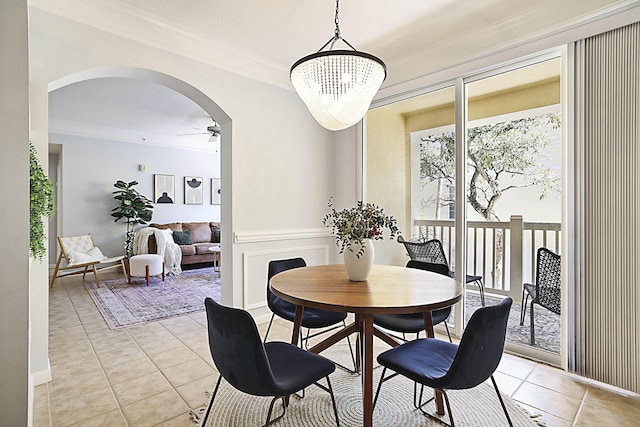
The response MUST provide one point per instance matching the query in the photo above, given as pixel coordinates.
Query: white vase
(358, 268)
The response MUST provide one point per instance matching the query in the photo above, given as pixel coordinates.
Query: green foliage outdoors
(41, 205)
(494, 152)
(134, 207)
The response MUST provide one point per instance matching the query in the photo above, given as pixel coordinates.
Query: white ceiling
(414, 37)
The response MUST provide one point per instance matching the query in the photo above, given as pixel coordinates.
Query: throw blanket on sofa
(167, 248)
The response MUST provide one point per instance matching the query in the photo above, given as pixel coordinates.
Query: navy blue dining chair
(446, 366)
(414, 322)
(275, 368)
(312, 318)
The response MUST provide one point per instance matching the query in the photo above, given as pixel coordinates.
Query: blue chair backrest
(481, 346)
(237, 349)
(278, 266)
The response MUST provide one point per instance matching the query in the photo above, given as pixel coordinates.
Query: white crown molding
(56, 135)
(122, 20)
(608, 18)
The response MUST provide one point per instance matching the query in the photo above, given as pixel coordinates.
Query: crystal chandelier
(338, 85)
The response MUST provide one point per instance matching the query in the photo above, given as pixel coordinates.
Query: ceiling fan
(213, 130)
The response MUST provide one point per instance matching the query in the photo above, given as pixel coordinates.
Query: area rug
(123, 305)
(475, 407)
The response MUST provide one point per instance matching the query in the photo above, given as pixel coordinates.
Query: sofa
(194, 238)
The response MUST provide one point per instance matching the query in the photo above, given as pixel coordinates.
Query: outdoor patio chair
(275, 369)
(433, 252)
(445, 366)
(546, 291)
(80, 254)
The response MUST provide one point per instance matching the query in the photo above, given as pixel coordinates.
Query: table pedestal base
(364, 327)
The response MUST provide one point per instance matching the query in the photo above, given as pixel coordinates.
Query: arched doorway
(210, 108)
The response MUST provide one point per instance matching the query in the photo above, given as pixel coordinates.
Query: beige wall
(387, 176)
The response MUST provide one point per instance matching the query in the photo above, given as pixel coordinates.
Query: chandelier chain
(337, 21)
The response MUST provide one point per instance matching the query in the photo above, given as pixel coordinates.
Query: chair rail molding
(275, 235)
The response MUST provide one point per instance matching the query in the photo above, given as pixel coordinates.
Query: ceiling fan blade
(197, 133)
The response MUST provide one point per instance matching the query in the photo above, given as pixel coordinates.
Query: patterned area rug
(123, 305)
(475, 407)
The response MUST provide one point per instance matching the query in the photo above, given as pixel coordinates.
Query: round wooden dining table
(388, 289)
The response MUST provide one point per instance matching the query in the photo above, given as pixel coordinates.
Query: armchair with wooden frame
(80, 255)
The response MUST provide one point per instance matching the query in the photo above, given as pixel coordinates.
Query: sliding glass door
(499, 168)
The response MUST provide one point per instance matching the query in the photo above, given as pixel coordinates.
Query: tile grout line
(98, 359)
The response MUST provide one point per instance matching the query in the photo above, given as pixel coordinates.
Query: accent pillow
(92, 255)
(183, 237)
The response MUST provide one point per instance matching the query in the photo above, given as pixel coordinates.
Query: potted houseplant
(134, 208)
(41, 205)
(355, 229)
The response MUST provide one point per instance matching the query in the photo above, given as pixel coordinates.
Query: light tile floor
(152, 374)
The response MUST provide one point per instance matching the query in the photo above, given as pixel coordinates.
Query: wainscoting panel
(255, 266)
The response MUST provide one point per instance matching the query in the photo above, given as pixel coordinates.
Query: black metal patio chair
(433, 252)
(546, 291)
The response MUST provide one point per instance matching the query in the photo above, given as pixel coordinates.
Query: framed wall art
(192, 190)
(215, 191)
(164, 188)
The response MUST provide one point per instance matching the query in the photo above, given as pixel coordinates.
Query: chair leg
(213, 396)
(55, 271)
(269, 327)
(481, 288)
(284, 410)
(523, 309)
(533, 333)
(447, 329)
(504, 408)
(95, 275)
(333, 401)
(375, 399)
(446, 401)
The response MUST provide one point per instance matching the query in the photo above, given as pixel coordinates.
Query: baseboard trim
(41, 377)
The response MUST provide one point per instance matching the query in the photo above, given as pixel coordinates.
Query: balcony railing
(503, 253)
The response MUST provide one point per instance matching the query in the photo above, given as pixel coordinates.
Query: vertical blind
(609, 284)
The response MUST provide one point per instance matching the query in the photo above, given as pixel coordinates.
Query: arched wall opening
(213, 110)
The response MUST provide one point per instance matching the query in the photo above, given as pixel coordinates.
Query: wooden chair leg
(163, 271)
(55, 271)
(95, 275)
(124, 268)
(146, 271)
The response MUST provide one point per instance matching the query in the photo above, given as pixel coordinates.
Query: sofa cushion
(215, 230)
(187, 250)
(204, 248)
(183, 237)
(200, 231)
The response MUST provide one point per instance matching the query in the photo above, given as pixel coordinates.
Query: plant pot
(358, 269)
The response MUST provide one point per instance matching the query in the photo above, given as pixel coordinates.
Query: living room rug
(123, 305)
(475, 407)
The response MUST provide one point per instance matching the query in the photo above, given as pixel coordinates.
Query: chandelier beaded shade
(337, 86)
